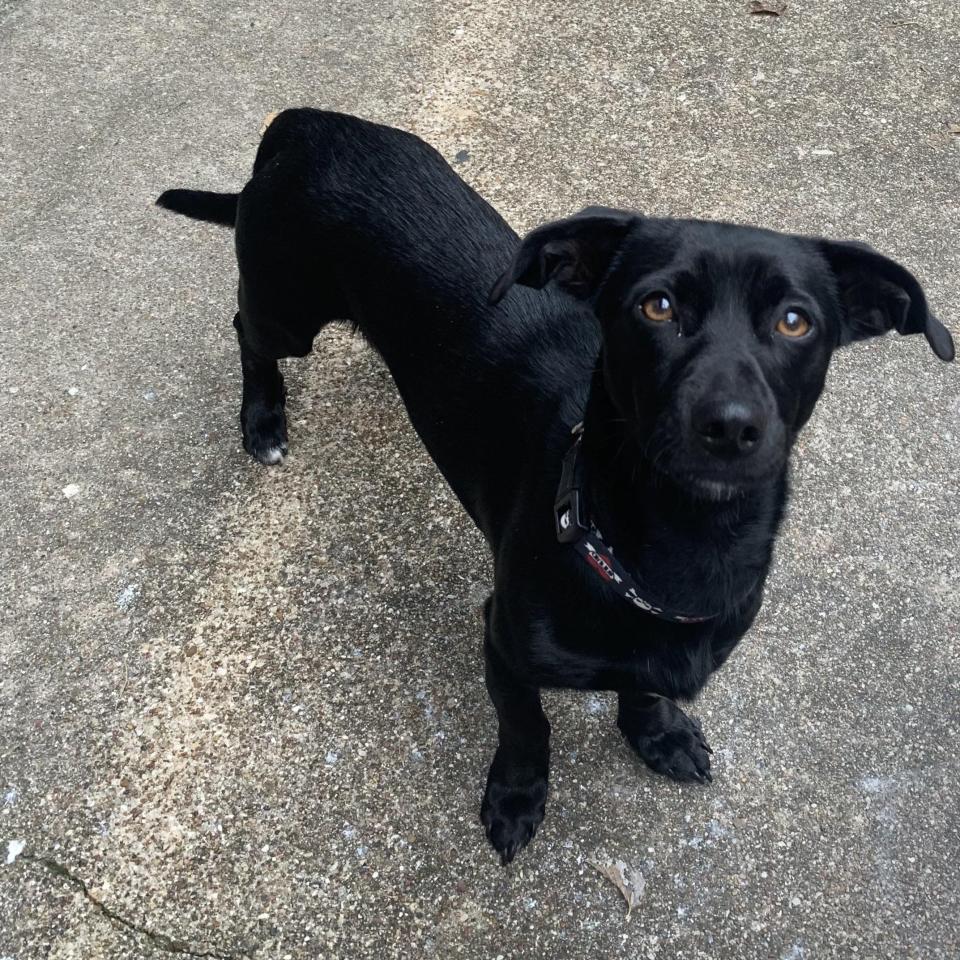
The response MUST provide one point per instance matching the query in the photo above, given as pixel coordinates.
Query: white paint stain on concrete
(14, 849)
(127, 596)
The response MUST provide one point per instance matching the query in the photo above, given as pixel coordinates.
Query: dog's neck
(696, 554)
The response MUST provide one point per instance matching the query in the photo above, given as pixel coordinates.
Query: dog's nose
(728, 429)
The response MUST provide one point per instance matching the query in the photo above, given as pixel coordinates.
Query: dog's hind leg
(285, 296)
(263, 421)
(515, 798)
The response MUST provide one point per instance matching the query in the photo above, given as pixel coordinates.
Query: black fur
(499, 347)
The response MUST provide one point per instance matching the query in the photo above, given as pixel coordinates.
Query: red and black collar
(574, 527)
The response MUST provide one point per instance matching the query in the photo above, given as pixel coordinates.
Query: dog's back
(376, 223)
(344, 219)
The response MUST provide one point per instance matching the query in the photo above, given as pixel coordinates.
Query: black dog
(630, 553)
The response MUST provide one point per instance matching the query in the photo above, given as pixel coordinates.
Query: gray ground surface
(245, 707)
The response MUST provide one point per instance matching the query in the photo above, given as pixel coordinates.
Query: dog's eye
(657, 308)
(794, 324)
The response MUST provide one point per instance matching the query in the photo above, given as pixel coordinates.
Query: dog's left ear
(878, 295)
(574, 252)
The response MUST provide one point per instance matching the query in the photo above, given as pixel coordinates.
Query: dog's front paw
(513, 803)
(264, 432)
(674, 745)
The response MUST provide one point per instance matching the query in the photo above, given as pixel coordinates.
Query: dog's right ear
(575, 252)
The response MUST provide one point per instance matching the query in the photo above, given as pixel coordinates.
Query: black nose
(728, 429)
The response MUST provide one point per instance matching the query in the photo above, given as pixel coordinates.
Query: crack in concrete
(160, 940)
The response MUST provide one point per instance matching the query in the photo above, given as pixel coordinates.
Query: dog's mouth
(715, 490)
(709, 488)
(715, 482)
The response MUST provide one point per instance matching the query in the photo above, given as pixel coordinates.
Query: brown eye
(657, 308)
(793, 324)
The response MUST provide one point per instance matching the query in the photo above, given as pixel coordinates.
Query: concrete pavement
(242, 710)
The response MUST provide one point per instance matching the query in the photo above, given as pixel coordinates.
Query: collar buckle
(568, 515)
(567, 508)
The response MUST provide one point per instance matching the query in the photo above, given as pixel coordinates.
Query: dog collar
(575, 528)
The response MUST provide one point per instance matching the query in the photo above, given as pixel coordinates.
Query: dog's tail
(205, 204)
(202, 205)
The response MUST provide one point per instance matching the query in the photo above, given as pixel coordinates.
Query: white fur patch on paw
(272, 456)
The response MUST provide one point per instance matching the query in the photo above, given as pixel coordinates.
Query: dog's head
(717, 337)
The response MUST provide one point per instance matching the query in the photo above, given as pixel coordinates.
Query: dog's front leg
(666, 739)
(516, 793)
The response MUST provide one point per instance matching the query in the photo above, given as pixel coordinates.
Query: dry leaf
(766, 8)
(628, 881)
